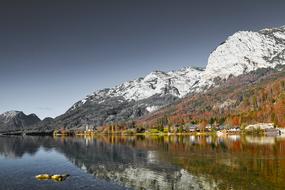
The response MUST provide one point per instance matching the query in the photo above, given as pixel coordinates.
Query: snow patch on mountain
(177, 83)
(152, 108)
(10, 114)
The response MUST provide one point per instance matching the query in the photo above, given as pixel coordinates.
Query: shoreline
(71, 133)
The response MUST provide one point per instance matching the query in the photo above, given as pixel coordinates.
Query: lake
(139, 162)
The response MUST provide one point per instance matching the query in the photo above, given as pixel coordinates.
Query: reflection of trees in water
(233, 162)
(169, 162)
(18, 146)
(126, 165)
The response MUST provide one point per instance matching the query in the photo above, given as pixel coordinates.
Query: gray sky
(54, 52)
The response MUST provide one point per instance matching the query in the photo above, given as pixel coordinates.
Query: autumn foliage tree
(202, 125)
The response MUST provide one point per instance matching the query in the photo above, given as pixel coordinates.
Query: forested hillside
(258, 96)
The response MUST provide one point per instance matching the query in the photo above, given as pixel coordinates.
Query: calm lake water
(170, 162)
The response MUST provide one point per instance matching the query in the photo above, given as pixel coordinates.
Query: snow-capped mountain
(131, 99)
(177, 83)
(241, 53)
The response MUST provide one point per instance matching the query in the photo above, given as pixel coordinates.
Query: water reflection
(16, 147)
(168, 162)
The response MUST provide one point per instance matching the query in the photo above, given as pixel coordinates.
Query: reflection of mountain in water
(16, 147)
(134, 168)
(168, 162)
(128, 166)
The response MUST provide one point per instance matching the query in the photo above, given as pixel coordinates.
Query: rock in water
(43, 177)
(58, 177)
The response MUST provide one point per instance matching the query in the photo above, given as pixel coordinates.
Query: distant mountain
(242, 53)
(17, 120)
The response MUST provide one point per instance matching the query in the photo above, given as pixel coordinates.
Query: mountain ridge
(17, 120)
(241, 53)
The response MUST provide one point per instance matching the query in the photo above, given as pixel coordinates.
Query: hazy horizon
(54, 53)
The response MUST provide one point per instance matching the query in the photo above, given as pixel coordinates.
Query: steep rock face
(17, 120)
(246, 51)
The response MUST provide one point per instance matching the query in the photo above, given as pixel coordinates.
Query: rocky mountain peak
(246, 51)
(10, 114)
(13, 120)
